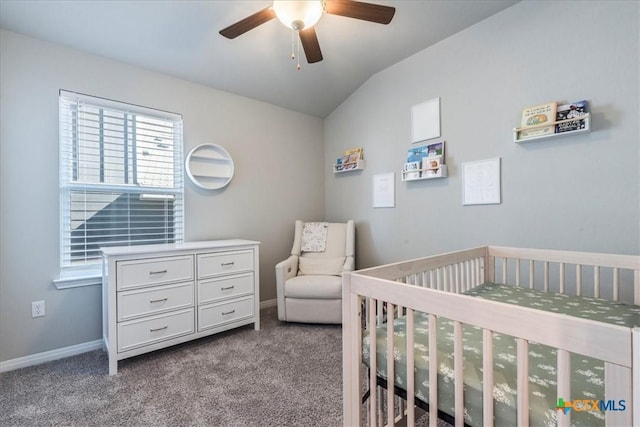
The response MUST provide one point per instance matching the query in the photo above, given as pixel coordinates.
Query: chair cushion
(310, 286)
(319, 266)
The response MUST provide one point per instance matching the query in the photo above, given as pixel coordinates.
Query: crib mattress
(588, 374)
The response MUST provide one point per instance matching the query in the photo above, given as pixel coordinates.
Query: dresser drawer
(225, 287)
(159, 299)
(150, 330)
(215, 264)
(154, 271)
(212, 315)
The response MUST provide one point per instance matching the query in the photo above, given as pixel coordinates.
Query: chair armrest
(285, 270)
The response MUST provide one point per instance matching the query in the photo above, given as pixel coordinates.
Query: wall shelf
(440, 172)
(586, 129)
(349, 167)
(209, 166)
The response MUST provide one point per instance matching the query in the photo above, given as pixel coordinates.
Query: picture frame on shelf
(431, 166)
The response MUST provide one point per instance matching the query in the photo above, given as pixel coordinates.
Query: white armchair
(309, 284)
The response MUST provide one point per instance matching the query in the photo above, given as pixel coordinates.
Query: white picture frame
(384, 190)
(481, 182)
(425, 120)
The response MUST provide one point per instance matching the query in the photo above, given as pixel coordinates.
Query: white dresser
(155, 296)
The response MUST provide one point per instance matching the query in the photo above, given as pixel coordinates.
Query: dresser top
(169, 247)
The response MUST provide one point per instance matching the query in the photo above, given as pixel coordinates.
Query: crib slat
(456, 273)
(596, 281)
(473, 274)
(561, 277)
(410, 363)
(487, 377)
(433, 371)
(458, 374)
(546, 276)
(578, 279)
(517, 271)
(373, 361)
(616, 284)
(352, 348)
(390, 365)
(531, 280)
(617, 382)
(468, 279)
(504, 270)
(564, 385)
(523, 382)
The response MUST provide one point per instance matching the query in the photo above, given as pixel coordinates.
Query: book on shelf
(431, 166)
(354, 154)
(411, 170)
(429, 150)
(436, 149)
(535, 116)
(341, 163)
(571, 111)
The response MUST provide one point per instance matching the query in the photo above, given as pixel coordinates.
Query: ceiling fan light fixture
(298, 14)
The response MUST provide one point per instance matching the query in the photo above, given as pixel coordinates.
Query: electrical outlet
(37, 308)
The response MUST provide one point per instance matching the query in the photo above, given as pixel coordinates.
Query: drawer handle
(227, 288)
(158, 329)
(227, 264)
(158, 300)
(228, 312)
(158, 272)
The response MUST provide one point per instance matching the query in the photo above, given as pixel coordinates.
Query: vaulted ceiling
(181, 38)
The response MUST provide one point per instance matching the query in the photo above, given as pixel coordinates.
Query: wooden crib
(442, 291)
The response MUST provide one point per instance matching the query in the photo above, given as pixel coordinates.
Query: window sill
(77, 281)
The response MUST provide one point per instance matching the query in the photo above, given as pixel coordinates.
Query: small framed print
(481, 182)
(384, 190)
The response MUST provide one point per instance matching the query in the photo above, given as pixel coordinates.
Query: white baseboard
(48, 356)
(269, 303)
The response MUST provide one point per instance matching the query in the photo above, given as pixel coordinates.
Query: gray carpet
(287, 374)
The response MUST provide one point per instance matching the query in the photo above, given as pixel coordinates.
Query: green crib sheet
(588, 374)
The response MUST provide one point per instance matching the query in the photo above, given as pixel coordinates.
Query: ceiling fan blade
(248, 23)
(310, 44)
(361, 10)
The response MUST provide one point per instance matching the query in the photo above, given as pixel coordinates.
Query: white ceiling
(180, 38)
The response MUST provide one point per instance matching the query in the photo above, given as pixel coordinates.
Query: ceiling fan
(301, 16)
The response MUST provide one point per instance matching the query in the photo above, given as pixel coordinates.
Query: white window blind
(121, 178)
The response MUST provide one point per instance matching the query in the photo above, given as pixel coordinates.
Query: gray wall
(577, 192)
(262, 139)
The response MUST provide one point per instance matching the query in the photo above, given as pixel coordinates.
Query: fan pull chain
(293, 55)
(298, 53)
(295, 47)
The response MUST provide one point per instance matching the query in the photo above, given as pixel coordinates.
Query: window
(121, 178)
